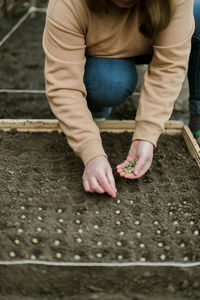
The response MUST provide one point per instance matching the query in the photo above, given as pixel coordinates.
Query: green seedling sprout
(77, 257)
(12, 254)
(99, 255)
(119, 244)
(58, 255)
(162, 257)
(130, 166)
(56, 243)
(142, 259)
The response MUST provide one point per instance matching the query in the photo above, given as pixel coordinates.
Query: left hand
(142, 152)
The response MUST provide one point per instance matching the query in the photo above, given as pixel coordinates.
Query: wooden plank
(171, 131)
(174, 124)
(50, 125)
(166, 131)
(191, 143)
(30, 125)
(130, 125)
(115, 126)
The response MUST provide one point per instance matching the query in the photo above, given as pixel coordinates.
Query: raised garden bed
(47, 217)
(59, 242)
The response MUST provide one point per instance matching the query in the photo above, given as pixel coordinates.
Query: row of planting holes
(96, 227)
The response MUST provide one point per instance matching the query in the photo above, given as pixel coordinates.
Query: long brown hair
(154, 15)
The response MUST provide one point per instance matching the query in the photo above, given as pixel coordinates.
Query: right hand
(98, 177)
(142, 152)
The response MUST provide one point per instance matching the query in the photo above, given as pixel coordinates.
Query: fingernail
(114, 189)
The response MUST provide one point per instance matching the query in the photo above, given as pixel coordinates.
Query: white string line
(7, 91)
(39, 9)
(30, 10)
(93, 264)
(23, 91)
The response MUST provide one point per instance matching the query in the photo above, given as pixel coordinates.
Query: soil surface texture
(45, 214)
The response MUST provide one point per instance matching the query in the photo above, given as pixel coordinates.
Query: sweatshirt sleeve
(165, 74)
(64, 47)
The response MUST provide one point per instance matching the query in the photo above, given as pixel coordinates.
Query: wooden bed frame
(40, 125)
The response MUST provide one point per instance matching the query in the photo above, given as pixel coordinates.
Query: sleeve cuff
(147, 131)
(91, 150)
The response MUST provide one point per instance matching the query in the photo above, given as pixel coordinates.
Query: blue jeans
(109, 81)
(194, 65)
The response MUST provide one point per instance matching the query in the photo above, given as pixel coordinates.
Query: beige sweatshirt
(71, 31)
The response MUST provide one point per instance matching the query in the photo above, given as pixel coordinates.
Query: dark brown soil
(40, 171)
(39, 174)
(22, 64)
(11, 13)
(138, 283)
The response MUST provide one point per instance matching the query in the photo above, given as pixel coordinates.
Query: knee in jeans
(124, 88)
(113, 92)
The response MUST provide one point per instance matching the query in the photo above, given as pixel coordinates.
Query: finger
(106, 186)
(122, 165)
(111, 179)
(87, 187)
(128, 175)
(95, 186)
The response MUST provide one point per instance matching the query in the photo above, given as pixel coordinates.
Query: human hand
(142, 152)
(98, 177)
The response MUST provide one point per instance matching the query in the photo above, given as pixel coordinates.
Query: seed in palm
(130, 166)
